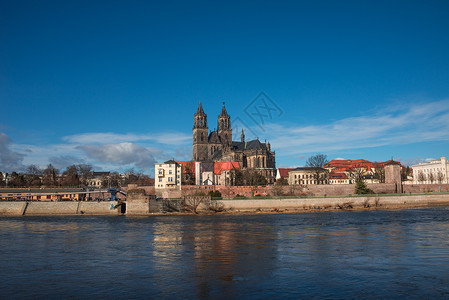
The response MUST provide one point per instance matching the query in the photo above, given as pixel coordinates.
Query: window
(160, 179)
(170, 179)
(170, 172)
(161, 171)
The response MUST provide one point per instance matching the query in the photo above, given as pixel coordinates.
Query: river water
(348, 254)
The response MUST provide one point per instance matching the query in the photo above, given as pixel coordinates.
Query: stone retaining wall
(19, 208)
(335, 203)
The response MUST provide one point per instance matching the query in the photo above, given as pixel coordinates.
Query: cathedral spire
(224, 113)
(200, 110)
(242, 136)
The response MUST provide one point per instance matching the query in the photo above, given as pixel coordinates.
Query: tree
(85, 173)
(17, 180)
(281, 181)
(379, 174)
(253, 178)
(361, 188)
(70, 176)
(112, 180)
(431, 177)
(440, 177)
(238, 178)
(49, 176)
(32, 176)
(317, 163)
(421, 176)
(357, 174)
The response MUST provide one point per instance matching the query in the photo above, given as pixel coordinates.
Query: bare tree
(84, 172)
(431, 177)
(357, 174)
(70, 176)
(32, 176)
(440, 177)
(317, 163)
(421, 176)
(49, 176)
(379, 174)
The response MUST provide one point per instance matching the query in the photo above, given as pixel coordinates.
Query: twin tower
(210, 146)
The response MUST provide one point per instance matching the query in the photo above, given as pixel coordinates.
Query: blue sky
(116, 83)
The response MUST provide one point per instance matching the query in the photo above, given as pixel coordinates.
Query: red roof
(337, 175)
(283, 172)
(221, 166)
(341, 164)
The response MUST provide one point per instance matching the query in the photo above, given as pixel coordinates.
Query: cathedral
(218, 145)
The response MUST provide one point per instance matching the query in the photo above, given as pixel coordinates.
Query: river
(325, 255)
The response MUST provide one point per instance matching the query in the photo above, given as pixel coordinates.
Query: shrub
(362, 189)
(215, 194)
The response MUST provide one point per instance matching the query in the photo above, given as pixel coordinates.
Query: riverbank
(231, 206)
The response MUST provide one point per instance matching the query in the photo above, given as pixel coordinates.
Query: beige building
(434, 171)
(307, 175)
(168, 175)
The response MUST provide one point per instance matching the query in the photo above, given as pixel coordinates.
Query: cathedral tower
(224, 128)
(200, 135)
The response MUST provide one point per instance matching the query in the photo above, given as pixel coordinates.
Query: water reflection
(333, 254)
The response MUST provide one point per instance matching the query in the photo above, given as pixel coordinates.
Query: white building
(168, 175)
(307, 175)
(434, 171)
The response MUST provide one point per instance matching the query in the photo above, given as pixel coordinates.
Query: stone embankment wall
(20, 208)
(300, 204)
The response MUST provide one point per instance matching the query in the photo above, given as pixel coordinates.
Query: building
(434, 171)
(283, 173)
(168, 175)
(308, 175)
(342, 171)
(217, 146)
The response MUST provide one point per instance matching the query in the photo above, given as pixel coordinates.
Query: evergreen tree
(361, 188)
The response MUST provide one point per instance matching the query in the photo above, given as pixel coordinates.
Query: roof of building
(307, 169)
(221, 166)
(283, 172)
(213, 138)
(358, 163)
(171, 161)
(254, 144)
(99, 174)
(337, 175)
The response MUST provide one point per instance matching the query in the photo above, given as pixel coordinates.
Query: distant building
(307, 175)
(338, 177)
(342, 171)
(434, 171)
(195, 173)
(168, 175)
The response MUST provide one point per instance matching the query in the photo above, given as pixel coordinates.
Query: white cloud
(114, 138)
(10, 160)
(408, 124)
(120, 154)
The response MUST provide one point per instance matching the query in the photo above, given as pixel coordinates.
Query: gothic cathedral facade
(217, 145)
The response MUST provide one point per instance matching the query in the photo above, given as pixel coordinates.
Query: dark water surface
(367, 254)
